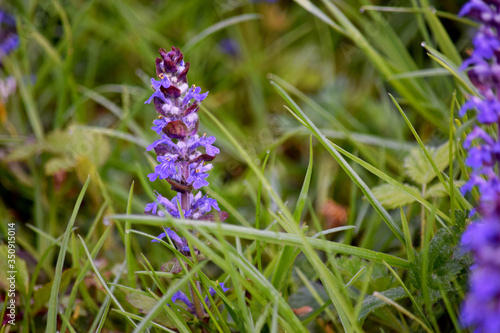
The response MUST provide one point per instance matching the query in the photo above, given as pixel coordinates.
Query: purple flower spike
(181, 152)
(481, 308)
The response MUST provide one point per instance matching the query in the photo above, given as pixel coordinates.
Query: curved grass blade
(219, 26)
(266, 236)
(452, 68)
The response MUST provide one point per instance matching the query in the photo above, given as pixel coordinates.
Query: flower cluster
(182, 154)
(9, 40)
(481, 308)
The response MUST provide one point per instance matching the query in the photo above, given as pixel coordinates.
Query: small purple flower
(158, 125)
(198, 176)
(194, 93)
(205, 142)
(211, 291)
(164, 82)
(165, 169)
(170, 207)
(202, 206)
(165, 140)
(171, 234)
(179, 295)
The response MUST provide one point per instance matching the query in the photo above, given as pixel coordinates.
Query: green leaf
(22, 276)
(391, 197)
(438, 190)
(420, 170)
(372, 303)
(145, 304)
(447, 263)
(42, 295)
(23, 152)
(56, 164)
(173, 266)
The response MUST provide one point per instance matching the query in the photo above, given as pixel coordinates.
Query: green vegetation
(340, 166)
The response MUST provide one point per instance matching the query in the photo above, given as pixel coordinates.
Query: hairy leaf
(420, 170)
(144, 304)
(391, 197)
(372, 303)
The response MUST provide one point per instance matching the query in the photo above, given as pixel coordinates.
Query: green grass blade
(287, 257)
(331, 285)
(54, 296)
(452, 68)
(414, 302)
(83, 272)
(267, 236)
(347, 168)
(297, 214)
(445, 184)
(131, 264)
(257, 215)
(406, 229)
(102, 281)
(27, 97)
(440, 34)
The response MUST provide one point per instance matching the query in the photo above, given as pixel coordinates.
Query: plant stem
(185, 206)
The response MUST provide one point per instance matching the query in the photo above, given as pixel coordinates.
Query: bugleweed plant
(336, 202)
(181, 163)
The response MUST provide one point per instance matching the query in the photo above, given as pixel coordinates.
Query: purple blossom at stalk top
(481, 308)
(182, 154)
(9, 40)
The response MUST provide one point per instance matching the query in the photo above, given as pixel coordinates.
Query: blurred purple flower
(229, 46)
(9, 40)
(481, 307)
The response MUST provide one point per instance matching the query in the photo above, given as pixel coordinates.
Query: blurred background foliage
(83, 70)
